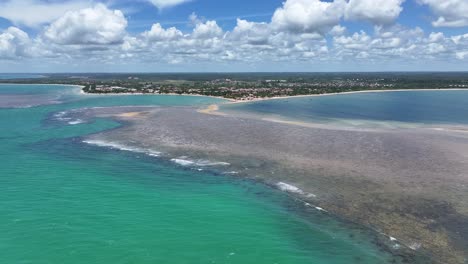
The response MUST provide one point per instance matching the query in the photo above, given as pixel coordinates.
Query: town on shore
(251, 86)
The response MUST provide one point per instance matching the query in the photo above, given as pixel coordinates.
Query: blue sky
(211, 35)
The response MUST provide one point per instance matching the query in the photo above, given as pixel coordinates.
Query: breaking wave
(122, 147)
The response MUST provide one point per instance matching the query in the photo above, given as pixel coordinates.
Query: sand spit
(130, 114)
(211, 109)
(409, 184)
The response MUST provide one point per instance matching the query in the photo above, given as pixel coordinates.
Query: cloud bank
(300, 32)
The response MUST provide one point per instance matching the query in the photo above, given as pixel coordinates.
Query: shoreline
(345, 93)
(237, 101)
(152, 94)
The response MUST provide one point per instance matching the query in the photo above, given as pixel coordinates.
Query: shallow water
(398, 108)
(64, 201)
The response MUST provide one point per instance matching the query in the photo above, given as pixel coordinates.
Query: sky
(233, 36)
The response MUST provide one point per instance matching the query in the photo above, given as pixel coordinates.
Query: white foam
(153, 153)
(289, 188)
(211, 163)
(285, 187)
(320, 209)
(184, 161)
(316, 207)
(415, 246)
(119, 146)
(61, 116)
(76, 122)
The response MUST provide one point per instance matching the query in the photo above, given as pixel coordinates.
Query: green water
(63, 201)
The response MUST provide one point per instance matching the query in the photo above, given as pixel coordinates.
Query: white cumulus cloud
(13, 43)
(95, 26)
(161, 4)
(308, 15)
(450, 13)
(301, 32)
(33, 13)
(158, 33)
(252, 32)
(376, 11)
(208, 29)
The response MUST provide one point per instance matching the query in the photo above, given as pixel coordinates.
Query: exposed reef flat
(409, 184)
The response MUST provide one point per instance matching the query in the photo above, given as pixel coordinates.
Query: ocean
(65, 201)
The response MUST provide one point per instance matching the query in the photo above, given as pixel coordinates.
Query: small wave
(183, 161)
(122, 147)
(211, 163)
(60, 116)
(415, 245)
(316, 207)
(285, 187)
(76, 122)
(289, 188)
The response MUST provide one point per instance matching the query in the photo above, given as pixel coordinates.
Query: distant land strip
(253, 86)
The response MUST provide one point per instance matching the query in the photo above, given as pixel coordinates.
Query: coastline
(149, 94)
(236, 101)
(359, 184)
(344, 93)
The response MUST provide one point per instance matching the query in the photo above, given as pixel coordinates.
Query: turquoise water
(63, 201)
(401, 107)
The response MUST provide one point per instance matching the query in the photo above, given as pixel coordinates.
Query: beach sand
(130, 114)
(211, 109)
(409, 184)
